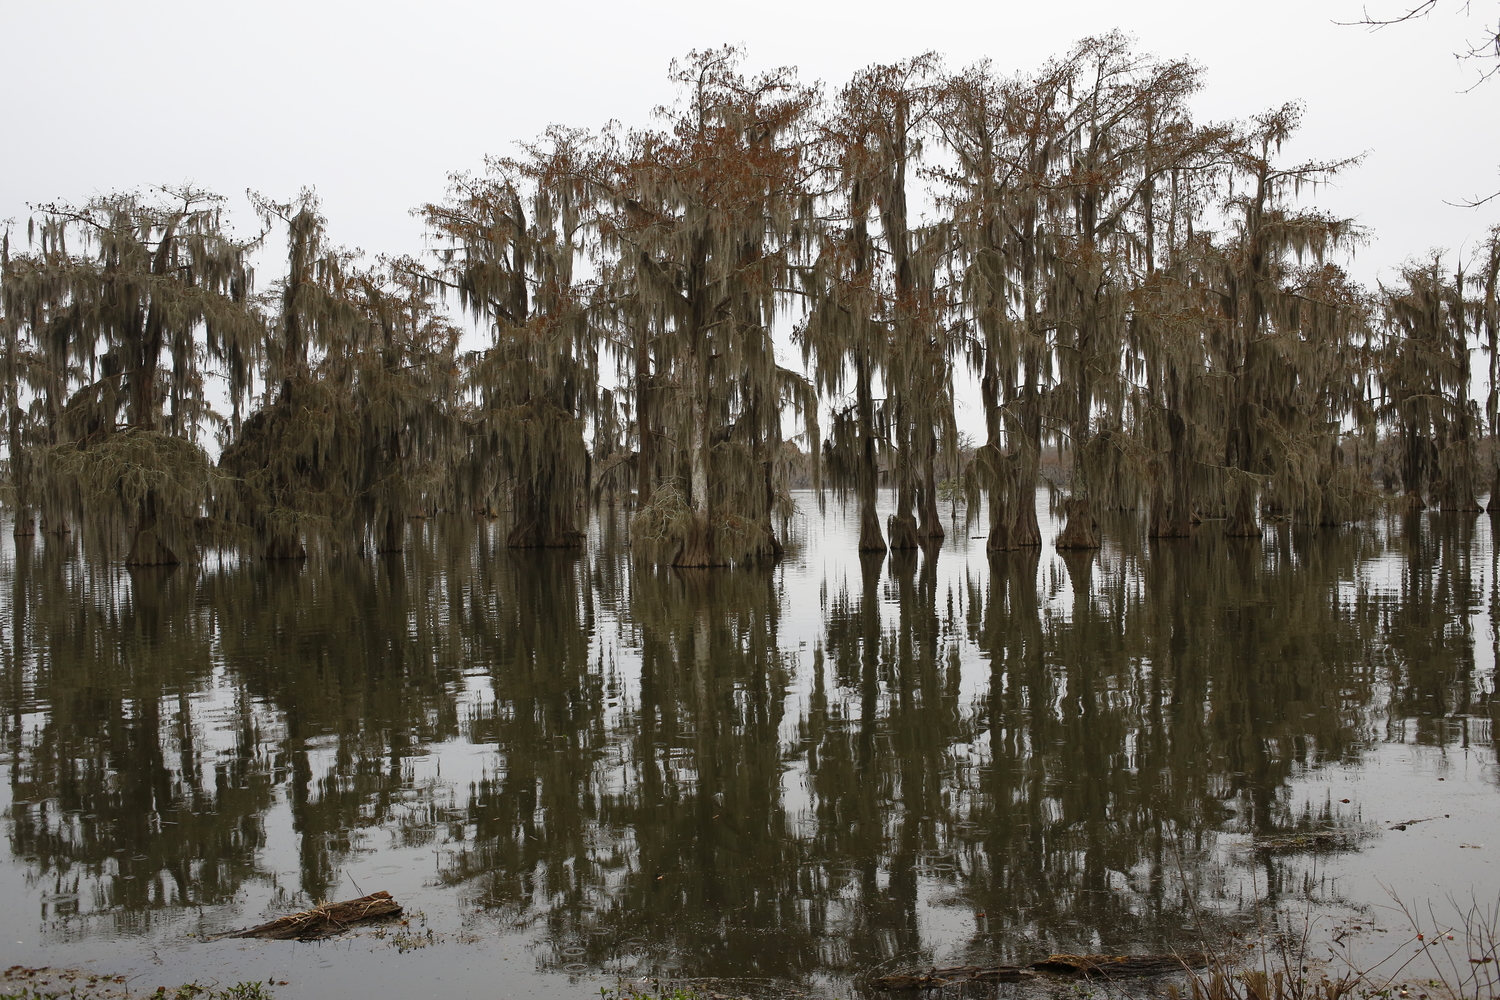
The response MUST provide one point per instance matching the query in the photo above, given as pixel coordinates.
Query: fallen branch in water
(1119, 965)
(1106, 966)
(324, 920)
(933, 978)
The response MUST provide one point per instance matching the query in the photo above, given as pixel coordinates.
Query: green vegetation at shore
(23, 983)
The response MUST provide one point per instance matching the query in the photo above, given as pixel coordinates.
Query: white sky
(374, 103)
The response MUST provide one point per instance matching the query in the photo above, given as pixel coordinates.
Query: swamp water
(570, 769)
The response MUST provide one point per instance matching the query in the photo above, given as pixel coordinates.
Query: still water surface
(572, 768)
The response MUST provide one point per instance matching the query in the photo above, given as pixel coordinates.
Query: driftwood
(324, 920)
(934, 978)
(1115, 966)
(1313, 840)
(1102, 966)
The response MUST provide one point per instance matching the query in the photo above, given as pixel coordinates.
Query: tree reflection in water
(763, 772)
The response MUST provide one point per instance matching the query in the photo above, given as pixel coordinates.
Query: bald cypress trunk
(1171, 499)
(645, 471)
(1081, 531)
(771, 545)
(1242, 522)
(871, 539)
(147, 548)
(284, 545)
(699, 549)
(541, 517)
(998, 537)
(20, 475)
(1025, 532)
(392, 533)
(990, 459)
(909, 408)
(1241, 491)
(903, 523)
(931, 527)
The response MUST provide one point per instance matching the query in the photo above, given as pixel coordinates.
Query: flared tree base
(1242, 522)
(1081, 531)
(698, 549)
(539, 526)
(520, 538)
(1170, 520)
(903, 531)
(1242, 527)
(284, 547)
(148, 549)
(1026, 533)
(931, 528)
(871, 539)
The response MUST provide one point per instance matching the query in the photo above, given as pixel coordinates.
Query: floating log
(1102, 966)
(325, 920)
(1313, 840)
(1118, 966)
(934, 978)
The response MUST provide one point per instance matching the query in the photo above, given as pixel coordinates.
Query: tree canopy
(1153, 316)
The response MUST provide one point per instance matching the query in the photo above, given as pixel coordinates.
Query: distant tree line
(1140, 291)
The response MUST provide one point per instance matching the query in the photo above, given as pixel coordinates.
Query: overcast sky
(375, 103)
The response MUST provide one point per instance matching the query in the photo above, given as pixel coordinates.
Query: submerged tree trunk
(1172, 499)
(1454, 497)
(990, 459)
(1159, 511)
(699, 549)
(871, 539)
(284, 545)
(645, 466)
(932, 521)
(1242, 522)
(998, 539)
(542, 518)
(1171, 514)
(767, 545)
(903, 523)
(770, 545)
(1025, 532)
(1082, 531)
(147, 548)
(392, 533)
